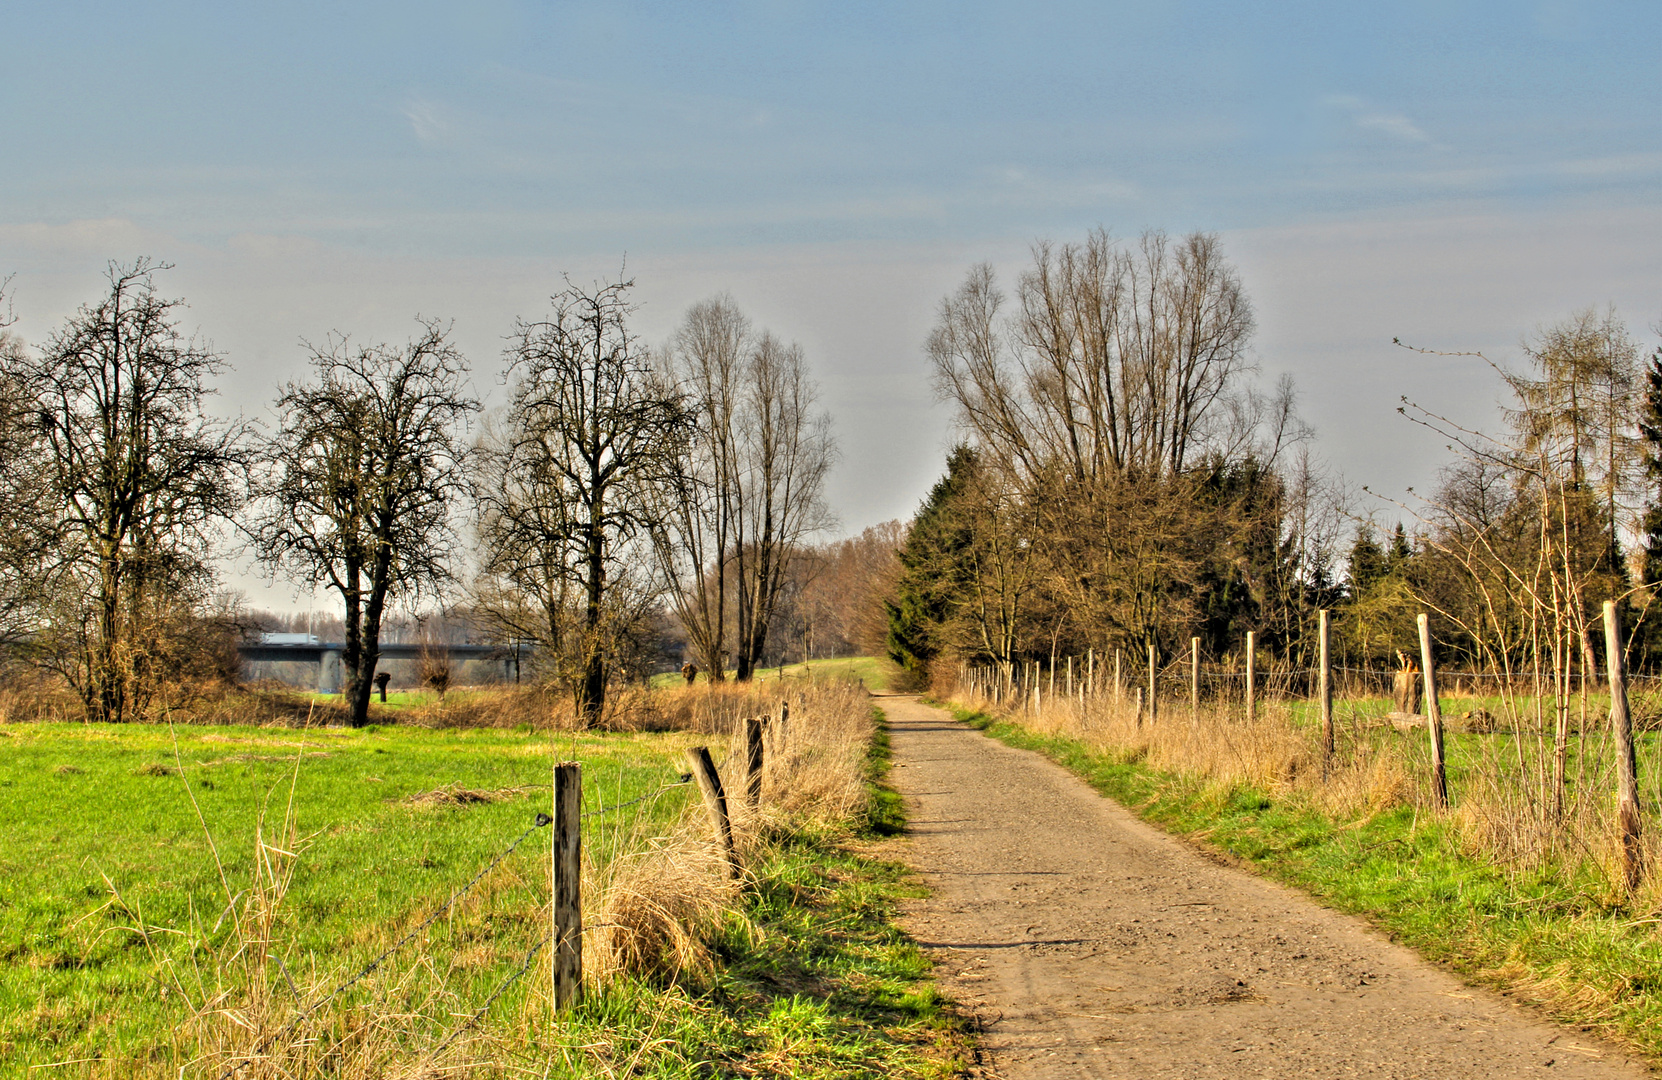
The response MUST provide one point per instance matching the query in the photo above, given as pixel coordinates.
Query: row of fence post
(566, 962)
(1002, 684)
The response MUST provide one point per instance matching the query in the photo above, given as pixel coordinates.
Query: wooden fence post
(1139, 706)
(753, 761)
(1433, 716)
(567, 959)
(1194, 682)
(715, 801)
(1621, 726)
(1090, 672)
(1251, 676)
(1325, 689)
(1119, 683)
(1153, 700)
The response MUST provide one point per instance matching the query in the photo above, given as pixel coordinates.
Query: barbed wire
(541, 821)
(479, 1013)
(686, 778)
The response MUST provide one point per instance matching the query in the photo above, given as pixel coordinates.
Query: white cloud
(428, 121)
(1393, 124)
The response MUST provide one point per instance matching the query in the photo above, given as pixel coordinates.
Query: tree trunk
(104, 669)
(353, 647)
(1405, 687)
(591, 691)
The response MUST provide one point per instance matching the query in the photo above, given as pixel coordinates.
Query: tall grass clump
(658, 902)
(1501, 758)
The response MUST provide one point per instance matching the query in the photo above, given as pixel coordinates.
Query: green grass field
(398, 700)
(116, 925)
(110, 899)
(1360, 719)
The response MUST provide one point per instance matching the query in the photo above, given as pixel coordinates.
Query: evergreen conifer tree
(926, 594)
(1650, 439)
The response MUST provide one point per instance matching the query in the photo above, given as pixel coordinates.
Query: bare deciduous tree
(1119, 362)
(27, 526)
(836, 595)
(133, 480)
(749, 490)
(786, 450)
(367, 468)
(699, 518)
(591, 431)
(1112, 407)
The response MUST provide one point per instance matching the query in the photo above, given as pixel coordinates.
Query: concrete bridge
(303, 649)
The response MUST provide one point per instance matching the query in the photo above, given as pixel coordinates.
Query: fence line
(540, 821)
(1021, 685)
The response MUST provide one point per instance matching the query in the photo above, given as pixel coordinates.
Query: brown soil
(1090, 944)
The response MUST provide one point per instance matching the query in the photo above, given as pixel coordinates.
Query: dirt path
(1093, 945)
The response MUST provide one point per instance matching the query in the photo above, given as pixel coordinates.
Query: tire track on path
(1093, 945)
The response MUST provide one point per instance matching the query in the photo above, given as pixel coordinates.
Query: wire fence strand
(479, 1013)
(541, 821)
(686, 778)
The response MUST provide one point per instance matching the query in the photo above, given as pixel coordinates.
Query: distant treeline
(1124, 483)
(627, 502)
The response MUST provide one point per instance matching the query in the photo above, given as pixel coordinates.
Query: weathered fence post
(1433, 716)
(1090, 672)
(1325, 689)
(1153, 700)
(1251, 676)
(1119, 683)
(1139, 706)
(566, 963)
(1070, 678)
(753, 761)
(1194, 682)
(715, 801)
(1621, 726)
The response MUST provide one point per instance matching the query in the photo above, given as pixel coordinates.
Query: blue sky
(1455, 174)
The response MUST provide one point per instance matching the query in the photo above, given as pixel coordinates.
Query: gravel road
(1093, 945)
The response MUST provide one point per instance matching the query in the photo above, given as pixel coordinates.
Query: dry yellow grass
(1499, 805)
(1270, 753)
(653, 903)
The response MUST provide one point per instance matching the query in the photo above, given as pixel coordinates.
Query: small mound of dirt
(68, 770)
(153, 768)
(456, 795)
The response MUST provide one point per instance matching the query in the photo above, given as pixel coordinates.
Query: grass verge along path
(121, 847)
(1543, 935)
